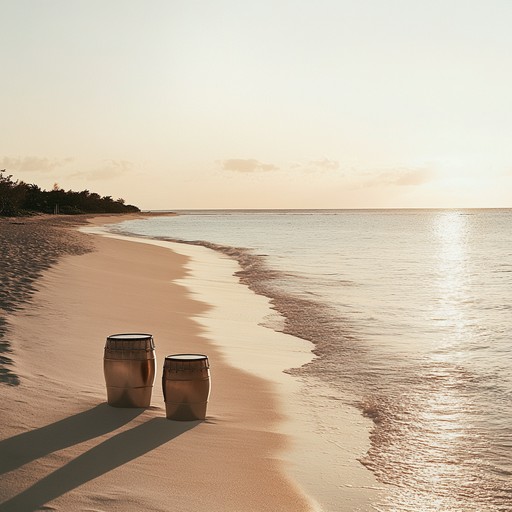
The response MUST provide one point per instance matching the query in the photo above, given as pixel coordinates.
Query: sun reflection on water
(452, 276)
(434, 421)
(435, 453)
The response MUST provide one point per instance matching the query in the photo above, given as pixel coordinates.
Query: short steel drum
(186, 386)
(129, 367)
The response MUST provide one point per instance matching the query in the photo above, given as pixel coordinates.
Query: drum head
(187, 357)
(130, 337)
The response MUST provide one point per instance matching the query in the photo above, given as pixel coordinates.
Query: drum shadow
(101, 459)
(23, 448)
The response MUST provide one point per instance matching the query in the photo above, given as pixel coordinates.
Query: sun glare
(451, 234)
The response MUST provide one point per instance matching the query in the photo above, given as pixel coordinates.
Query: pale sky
(264, 104)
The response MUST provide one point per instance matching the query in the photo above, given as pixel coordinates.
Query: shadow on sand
(101, 459)
(29, 446)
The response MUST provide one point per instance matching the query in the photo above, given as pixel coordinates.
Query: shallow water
(409, 311)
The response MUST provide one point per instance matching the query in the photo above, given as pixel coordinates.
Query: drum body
(129, 368)
(186, 386)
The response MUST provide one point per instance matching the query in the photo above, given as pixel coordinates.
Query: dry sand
(62, 448)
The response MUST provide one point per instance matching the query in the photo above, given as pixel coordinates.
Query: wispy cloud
(250, 165)
(246, 165)
(399, 178)
(107, 170)
(32, 163)
(323, 164)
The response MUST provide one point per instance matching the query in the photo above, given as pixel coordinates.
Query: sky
(267, 104)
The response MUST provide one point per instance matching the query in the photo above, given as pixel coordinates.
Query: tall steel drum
(129, 367)
(186, 386)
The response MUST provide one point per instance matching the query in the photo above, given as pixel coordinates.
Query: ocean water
(410, 312)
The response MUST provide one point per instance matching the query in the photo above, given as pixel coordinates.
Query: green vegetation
(20, 198)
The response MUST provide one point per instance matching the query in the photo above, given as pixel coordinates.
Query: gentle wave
(441, 410)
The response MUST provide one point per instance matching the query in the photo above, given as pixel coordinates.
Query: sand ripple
(28, 246)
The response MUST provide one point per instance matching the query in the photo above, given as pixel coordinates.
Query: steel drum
(129, 367)
(186, 386)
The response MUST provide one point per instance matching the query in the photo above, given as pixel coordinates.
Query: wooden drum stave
(129, 368)
(186, 386)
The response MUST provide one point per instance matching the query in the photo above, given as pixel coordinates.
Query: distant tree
(12, 195)
(18, 197)
(5, 189)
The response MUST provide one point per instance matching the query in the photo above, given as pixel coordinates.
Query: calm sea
(411, 314)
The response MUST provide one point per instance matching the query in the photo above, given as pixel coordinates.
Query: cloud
(246, 165)
(32, 163)
(400, 178)
(108, 170)
(323, 164)
(250, 165)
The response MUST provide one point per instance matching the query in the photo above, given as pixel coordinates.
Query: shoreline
(256, 447)
(61, 444)
(326, 438)
(323, 454)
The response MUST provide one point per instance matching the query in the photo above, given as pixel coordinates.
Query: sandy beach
(63, 448)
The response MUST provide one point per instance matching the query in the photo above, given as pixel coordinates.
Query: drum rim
(141, 336)
(175, 357)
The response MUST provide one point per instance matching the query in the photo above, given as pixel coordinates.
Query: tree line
(20, 198)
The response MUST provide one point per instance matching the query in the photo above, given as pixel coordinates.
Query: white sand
(263, 445)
